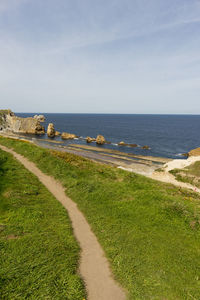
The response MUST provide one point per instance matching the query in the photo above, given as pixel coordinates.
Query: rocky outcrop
(40, 118)
(194, 152)
(129, 145)
(51, 130)
(12, 123)
(122, 143)
(68, 136)
(57, 133)
(185, 154)
(90, 140)
(146, 147)
(100, 140)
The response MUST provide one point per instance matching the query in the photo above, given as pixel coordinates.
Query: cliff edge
(12, 123)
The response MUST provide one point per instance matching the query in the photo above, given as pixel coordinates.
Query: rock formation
(100, 140)
(194, 152)
(68, 136)
(122, 143)
(57, 133)
(129, 145)
(51, 130)
(89, 139)
(12, 123)
(146, 147)
(40, 118)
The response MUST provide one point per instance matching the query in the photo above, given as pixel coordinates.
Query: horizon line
(93, 113)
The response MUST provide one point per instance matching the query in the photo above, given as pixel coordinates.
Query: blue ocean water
(166, 135)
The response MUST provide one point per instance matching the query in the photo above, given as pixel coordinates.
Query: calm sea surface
(166, 135)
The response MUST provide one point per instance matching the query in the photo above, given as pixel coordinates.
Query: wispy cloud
(99, 52)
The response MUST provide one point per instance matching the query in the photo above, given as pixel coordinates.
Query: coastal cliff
(12, 123)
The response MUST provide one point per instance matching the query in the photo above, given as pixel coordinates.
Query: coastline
(144, 165)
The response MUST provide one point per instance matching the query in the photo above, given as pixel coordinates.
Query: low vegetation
(190, 174)
(38, 253)
(3, 112)
(150, 231)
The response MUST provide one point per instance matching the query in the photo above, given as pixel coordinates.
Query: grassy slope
(38, 253)
(190, 174)
(149, 230)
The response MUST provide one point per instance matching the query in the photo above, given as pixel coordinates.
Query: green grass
(38, 253)
(190, 174)
(150, 231)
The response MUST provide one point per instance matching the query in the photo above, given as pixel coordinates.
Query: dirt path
(94, 267)
(169, 178)
(165, 176)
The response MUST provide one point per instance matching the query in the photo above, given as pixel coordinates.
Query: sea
(166, 135)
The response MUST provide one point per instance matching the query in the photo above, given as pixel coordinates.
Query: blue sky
(114, 56)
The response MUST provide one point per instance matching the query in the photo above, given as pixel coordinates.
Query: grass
(189, 174)
(150, 231)
(38, 253)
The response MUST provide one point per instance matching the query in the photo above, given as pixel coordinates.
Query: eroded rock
(40, 118)
(90, 140)
(68, 136)
(100, 140)
(51, 130)
(12, 123)
(57, 133)
(122, 143)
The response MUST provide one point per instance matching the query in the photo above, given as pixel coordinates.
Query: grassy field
(38, 253)
(190, 174)
(150, 231)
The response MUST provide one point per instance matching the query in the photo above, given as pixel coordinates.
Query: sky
(100, 56)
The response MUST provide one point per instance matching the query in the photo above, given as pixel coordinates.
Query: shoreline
(154, 167)
(144, 165)
(150, 166)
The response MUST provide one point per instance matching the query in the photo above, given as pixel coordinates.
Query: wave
(179, 154)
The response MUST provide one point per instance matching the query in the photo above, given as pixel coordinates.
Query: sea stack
(51, 130)
(100, 140)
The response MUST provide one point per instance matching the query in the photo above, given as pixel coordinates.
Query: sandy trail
(169, 178)
(165, 176)
(94, 267)
(180, 163)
